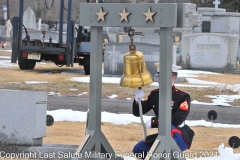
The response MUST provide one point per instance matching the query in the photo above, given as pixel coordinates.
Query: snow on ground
(7, 63)
(226, 153)
(36, 82)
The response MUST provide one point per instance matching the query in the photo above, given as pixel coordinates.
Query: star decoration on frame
(149, 15)
(101, 15)
(124, 15)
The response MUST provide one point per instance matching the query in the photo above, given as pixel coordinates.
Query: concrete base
(22, 117)
(46, 151)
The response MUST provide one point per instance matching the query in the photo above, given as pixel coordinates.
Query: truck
(27, 51)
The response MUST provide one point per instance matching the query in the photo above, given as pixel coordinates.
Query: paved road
(226, 115)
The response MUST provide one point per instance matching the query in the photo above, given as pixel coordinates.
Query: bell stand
(168, 15)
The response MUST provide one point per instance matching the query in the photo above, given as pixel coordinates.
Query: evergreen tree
(38, 10)
(230, 5)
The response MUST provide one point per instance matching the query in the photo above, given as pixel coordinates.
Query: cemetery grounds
(121, 137)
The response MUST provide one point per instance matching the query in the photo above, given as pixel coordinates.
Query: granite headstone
(210, 51)
(29, 20)
(114, 53)
(2, 31)
(22, 117)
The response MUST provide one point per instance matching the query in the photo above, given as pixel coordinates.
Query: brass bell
(135, 71)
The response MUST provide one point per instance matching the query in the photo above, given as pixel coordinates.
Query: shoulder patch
(184, 106)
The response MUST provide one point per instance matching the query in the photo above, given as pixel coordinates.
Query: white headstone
(8, 28)
(210, 51)
(216, 3)
(29, 20)
(39, 23)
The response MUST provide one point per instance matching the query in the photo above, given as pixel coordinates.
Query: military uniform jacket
(180, 106)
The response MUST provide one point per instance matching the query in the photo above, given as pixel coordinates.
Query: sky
(225, 152)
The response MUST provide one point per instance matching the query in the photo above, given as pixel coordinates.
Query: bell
(135, 71)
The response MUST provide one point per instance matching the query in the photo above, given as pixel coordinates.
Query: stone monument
(23, 117)
(217, 20)
(193, 19)
(216, 3)
(210, 51)
(29, 20)
(114, 53)
(8, 28)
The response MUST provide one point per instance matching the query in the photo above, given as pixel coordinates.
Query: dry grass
(123, 137)
(60, 82)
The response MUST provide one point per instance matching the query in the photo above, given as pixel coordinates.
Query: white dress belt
(181, 125)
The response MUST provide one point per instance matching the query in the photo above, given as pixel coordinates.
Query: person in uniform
(181, 133)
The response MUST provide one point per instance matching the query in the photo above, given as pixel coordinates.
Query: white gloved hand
(139, 94)
(148, 123)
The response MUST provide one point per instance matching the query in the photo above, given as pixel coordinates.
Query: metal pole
(95, 100)
(164, 142)
(8, 10)
(61, 22)
(69, 33)
(15, 50)
(20, 23)
(165, 86)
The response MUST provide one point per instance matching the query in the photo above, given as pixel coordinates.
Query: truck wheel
(26, 64)
(86, 65)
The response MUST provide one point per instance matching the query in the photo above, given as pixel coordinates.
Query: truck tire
(26, 64)
(86, 65)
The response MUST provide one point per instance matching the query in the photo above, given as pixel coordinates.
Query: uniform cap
(175, 68)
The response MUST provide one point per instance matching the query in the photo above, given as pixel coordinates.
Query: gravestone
(219, 20)
(64, 27)
(150, 39)
(22, 117)
(29, 20)
(136, 38)
(37, 35)
(2, 31)
(114, 53)
(151, 35)
(115, 34)
(39, 24)
(216, 3)
(8, 28)
(45, 27)
(210, 51)
(113, 29)
(192, 19)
